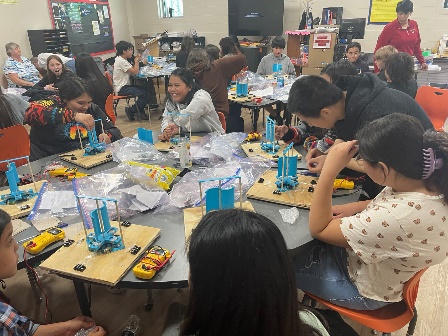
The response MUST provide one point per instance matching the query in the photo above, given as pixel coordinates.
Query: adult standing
(185, 48)
(403, 34)
(19, 71)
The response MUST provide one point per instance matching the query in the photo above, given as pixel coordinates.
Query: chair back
(109, 108)
(109, 78)
(434, 102)
(410, 289)
(14, 142)
(222, 119)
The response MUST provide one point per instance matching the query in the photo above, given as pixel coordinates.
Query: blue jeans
(321, 269)
(141, 93)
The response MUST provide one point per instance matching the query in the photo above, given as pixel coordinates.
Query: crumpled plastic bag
(290, 215)
(131, 149)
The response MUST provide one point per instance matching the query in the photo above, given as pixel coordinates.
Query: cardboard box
(153, 47)
(318, 56)
(311, 71)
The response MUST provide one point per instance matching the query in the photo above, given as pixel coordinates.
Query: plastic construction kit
(287, 170)
(270, 146)
(155, 259)
(15, 194)
(103, 239)
(94, 146)
(221, 196)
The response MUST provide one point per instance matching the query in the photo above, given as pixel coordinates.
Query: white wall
(15, 20)
(209, 18)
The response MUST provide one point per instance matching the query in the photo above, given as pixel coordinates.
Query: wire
(36, 277)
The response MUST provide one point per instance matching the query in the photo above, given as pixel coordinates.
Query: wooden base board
(299, 197)
(14, 209)
(166, 146)
(87, 161)
(257, 151)
(192, 216)
(234, 98)
(108, 268)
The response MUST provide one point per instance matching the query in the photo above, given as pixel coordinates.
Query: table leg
(149, 300)
(33, 283)
(83, 301)
(255, 115)
(158, 89)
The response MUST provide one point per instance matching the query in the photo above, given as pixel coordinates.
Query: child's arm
(47, 112)
(69, 327)
(349, 209)
(200, 104)
(321, 223)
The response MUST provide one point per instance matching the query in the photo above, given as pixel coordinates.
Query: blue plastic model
(103, 239)
(287, 171)
(270, 146)
(94, 146)
(220, 197)
(15, 194)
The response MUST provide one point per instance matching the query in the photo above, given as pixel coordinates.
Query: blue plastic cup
(150, 59)
(242, 89)
(145, 135)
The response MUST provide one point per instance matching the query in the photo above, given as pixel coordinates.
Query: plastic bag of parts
(130, 149)
(162, 175)
(130, 185)
(54, 200)
(185, 193)
(256, 81)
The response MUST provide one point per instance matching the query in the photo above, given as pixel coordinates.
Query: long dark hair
(187, 77)
(241, 279)
(87, 69)
(187, 44)
(5, 219)
(400, 68)
(74, 87)
(398, 140)
(51, 76)
(228, 46)
(338, 69)
(5, 112)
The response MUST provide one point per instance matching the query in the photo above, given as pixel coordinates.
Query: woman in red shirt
(403, 34)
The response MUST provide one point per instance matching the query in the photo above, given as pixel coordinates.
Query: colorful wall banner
(382, 11)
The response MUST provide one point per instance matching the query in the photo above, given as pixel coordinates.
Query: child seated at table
(368, 250)
(352, 52)
(11, 321)
(188, 108)
(400, 73)
(381, 57)
(241, 280)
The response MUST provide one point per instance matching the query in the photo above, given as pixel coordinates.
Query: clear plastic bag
(130, 149)
(185, 193)
(130, 185)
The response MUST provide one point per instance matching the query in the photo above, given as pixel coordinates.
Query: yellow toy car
(154, 260)
(253, 136)
(69, 173)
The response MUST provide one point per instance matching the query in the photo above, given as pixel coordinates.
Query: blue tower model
(270, 146)
(16, 195)
(103, 239)
(287, 170)
(94, 146)
(220, 197)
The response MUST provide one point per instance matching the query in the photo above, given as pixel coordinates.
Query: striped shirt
(13, 324)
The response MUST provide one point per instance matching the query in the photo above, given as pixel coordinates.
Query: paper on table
(44, 224)
(144, 199)
(18, 226)
(58, 200)
(269, 91)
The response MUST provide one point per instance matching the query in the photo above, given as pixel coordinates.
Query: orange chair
(14, 142)
(116, 99)
(222, 119)
(389, 318)
(434, 102)
(109, 108)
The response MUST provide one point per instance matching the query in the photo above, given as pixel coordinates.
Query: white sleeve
(200, 104)
(167, 118)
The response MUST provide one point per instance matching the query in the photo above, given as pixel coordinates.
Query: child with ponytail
(366, 251)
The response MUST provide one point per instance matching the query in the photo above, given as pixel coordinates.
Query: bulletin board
(88, 24)
(382, 11)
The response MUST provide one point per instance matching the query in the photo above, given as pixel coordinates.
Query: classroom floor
(111, 310)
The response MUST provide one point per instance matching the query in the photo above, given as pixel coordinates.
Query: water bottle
(184, 152)
(131, 326)
(309, 23)
(242, 87)
(280, 79)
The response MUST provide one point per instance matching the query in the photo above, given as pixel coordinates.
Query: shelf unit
(49, 41)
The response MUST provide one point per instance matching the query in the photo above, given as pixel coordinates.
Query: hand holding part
(85, 119)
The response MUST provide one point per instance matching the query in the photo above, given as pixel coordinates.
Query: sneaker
(143, 115)
(129, 114)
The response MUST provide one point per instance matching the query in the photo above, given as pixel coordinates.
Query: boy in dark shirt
(352, 52)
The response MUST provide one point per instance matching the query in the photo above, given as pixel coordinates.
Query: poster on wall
(8, 2)
(382, 11)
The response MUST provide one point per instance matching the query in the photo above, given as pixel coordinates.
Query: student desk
(172, 237)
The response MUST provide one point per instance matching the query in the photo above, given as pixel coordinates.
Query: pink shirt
(405, 40)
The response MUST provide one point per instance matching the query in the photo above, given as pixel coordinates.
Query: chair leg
(412, 323)
(138, 110)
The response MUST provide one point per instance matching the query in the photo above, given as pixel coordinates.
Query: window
(170, 8)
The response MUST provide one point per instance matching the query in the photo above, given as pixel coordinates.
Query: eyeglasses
(359, 160)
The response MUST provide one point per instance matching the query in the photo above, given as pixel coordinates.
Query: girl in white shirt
(366, 251)
(188, 108)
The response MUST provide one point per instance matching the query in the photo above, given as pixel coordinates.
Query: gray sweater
(18, 107)
(266, 63)
(202, 114)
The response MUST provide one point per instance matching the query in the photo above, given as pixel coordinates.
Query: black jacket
(410, 88)
(368, 98)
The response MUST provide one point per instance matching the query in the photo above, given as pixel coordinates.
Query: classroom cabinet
(49, 41)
